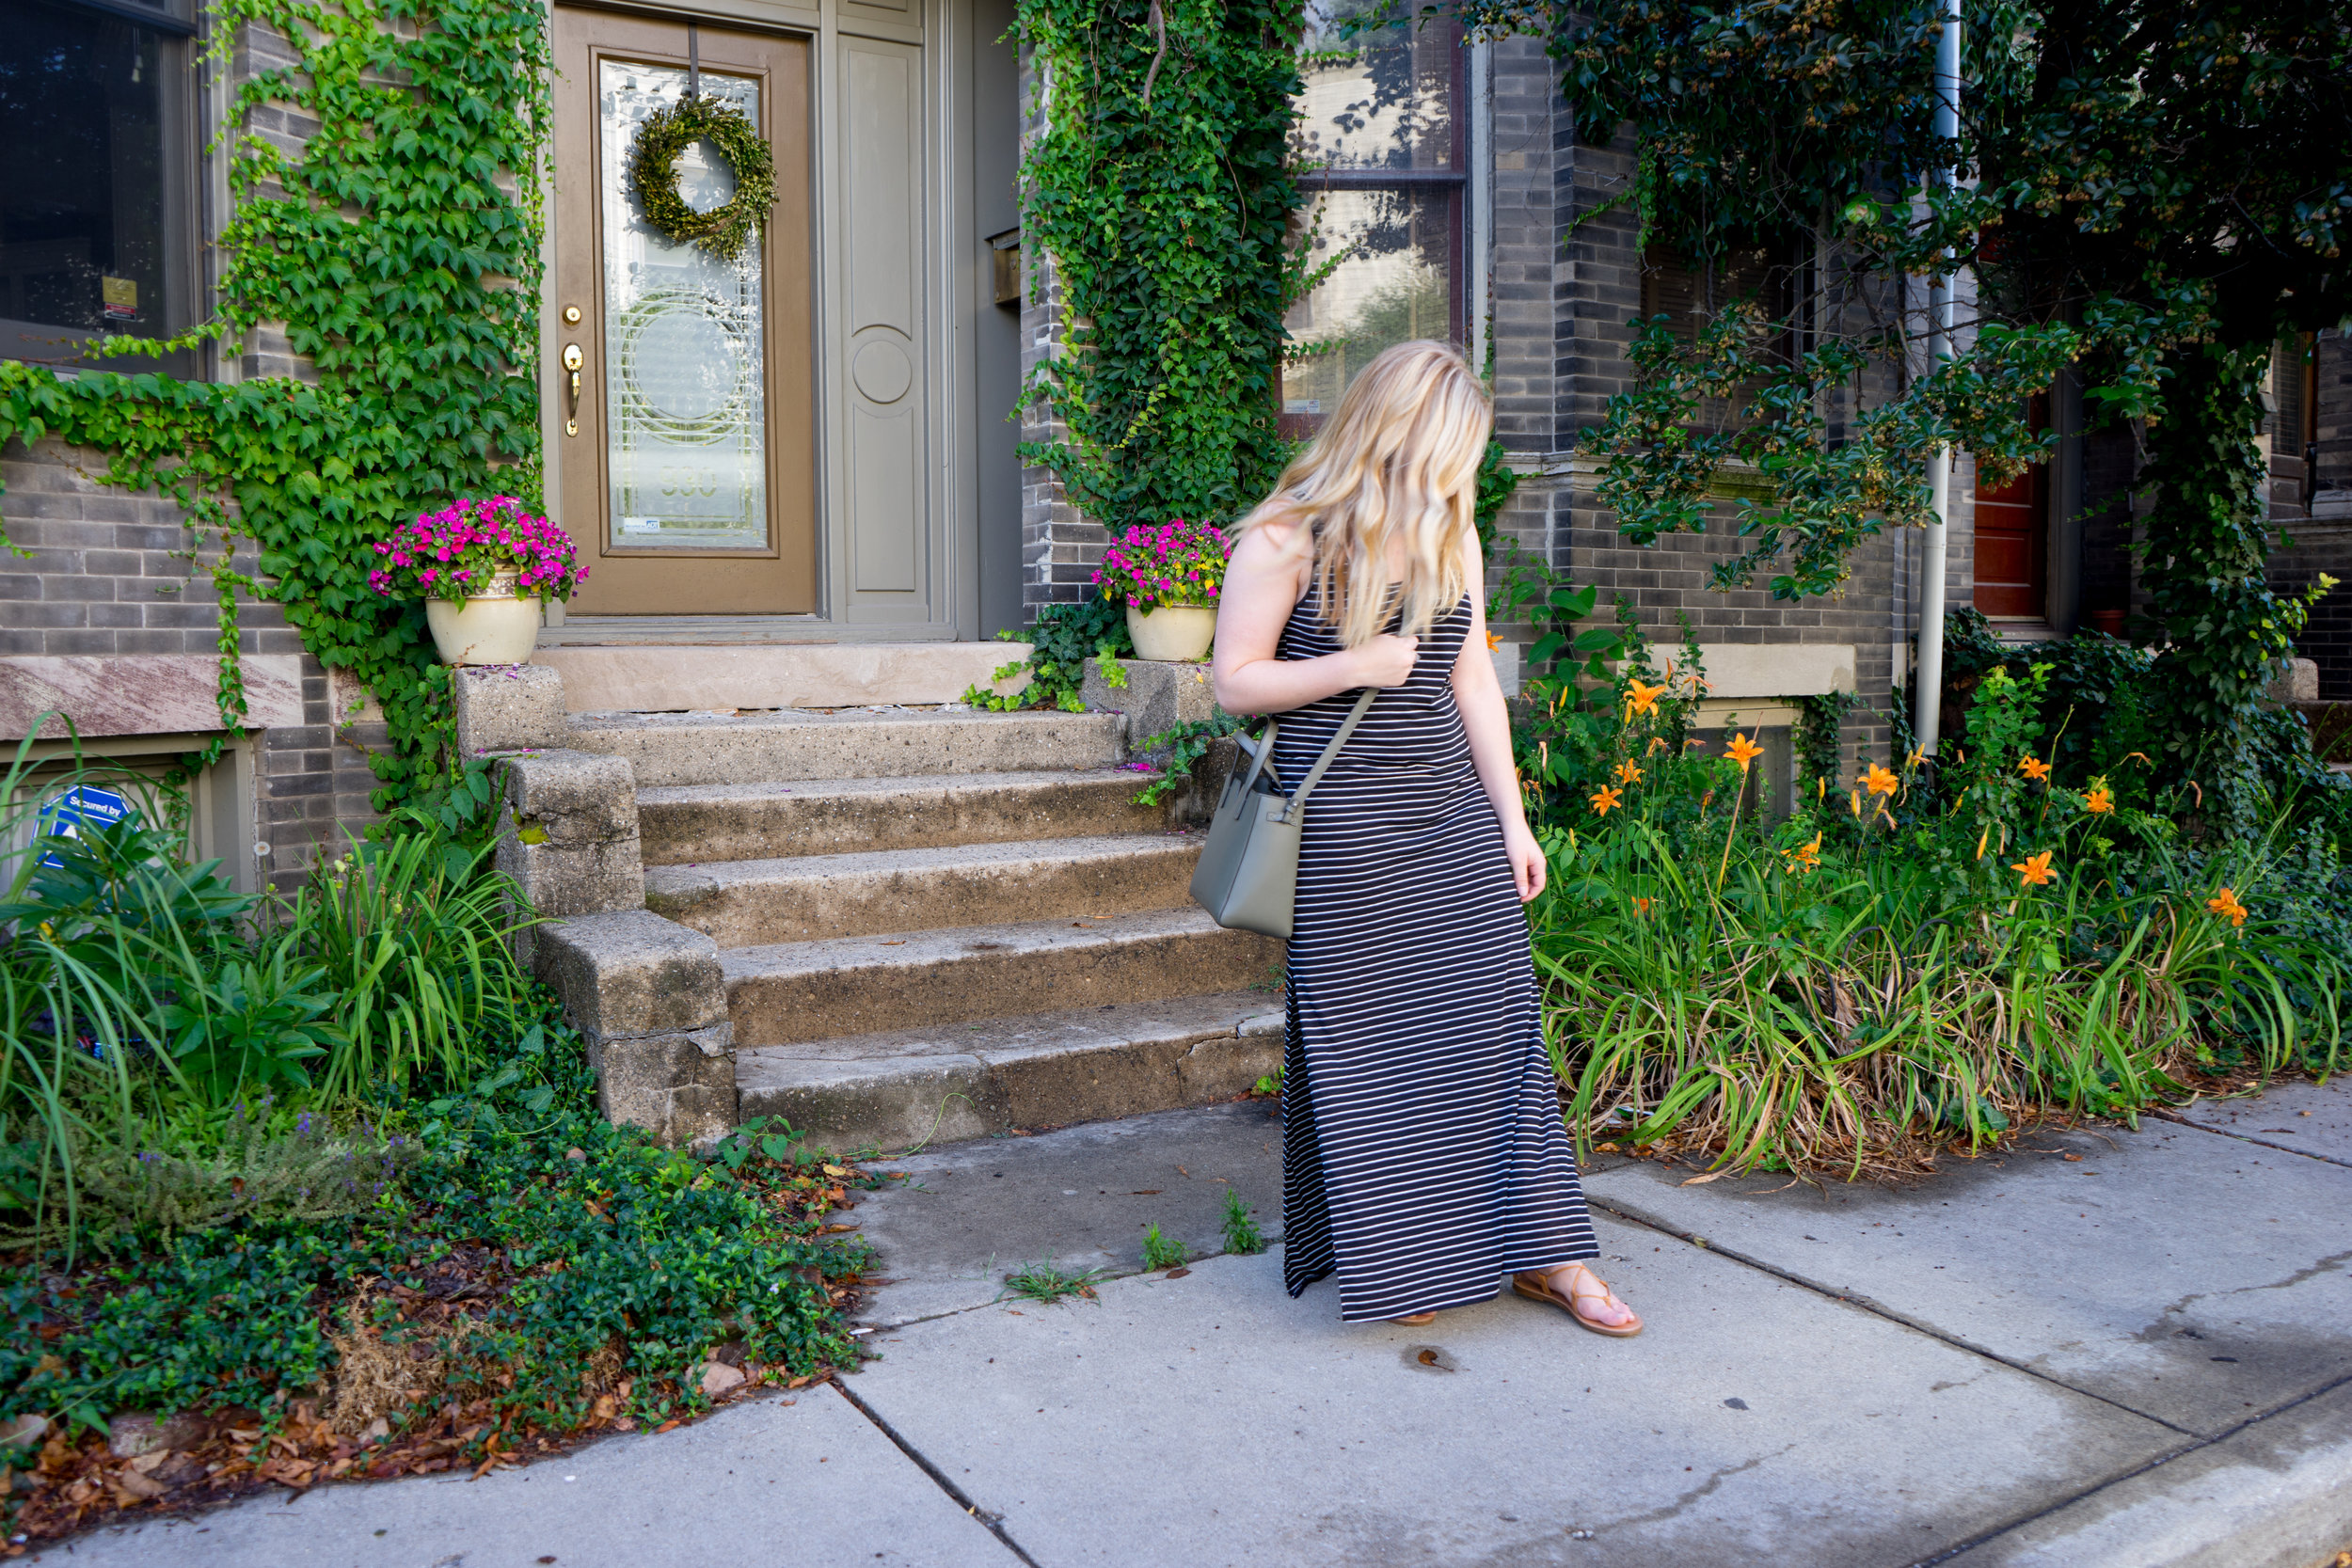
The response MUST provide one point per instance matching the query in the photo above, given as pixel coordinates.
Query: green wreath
(653, 173)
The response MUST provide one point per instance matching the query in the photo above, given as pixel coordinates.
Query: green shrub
(628, 1255)
(139, 992)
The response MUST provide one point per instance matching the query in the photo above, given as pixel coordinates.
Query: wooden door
(2013, 541)
(683, 383)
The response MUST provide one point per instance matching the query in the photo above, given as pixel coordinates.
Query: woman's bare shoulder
(1281, 539)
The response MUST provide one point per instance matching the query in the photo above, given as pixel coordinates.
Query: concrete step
(816, 991)
(639, 677)
(938, 1084)
(688, 823)
(671, 749)
(822, 898)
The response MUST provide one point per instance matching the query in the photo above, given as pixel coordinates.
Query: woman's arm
(1263, 582)
(1488, 721)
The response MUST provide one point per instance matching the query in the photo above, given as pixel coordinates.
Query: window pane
(684, 341)
(1396, 284)
(82, 227)
(1387, 104)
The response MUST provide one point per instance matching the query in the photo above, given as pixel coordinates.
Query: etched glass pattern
(686, 408)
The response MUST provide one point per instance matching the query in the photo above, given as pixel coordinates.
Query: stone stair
(931, 924)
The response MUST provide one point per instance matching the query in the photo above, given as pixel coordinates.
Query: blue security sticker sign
(81, 807)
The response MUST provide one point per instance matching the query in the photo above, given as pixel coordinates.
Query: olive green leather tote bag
(1247, 878)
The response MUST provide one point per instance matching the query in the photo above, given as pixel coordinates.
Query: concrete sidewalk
(2113, 1349)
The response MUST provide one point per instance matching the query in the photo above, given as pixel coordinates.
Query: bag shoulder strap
(1339, 739)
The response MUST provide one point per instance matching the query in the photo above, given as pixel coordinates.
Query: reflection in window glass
(81, 222)
(1382, 100)
(1395, 284)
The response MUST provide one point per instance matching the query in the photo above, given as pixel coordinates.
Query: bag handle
(1347, 726)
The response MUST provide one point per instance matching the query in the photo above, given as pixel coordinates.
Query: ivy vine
(1160, 191)
(399, 252)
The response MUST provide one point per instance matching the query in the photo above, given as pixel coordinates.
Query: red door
(2013, 542)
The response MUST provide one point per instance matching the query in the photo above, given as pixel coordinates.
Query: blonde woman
(1422, 1152)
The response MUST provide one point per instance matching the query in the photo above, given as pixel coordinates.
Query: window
(1380, 146)
(97, 191)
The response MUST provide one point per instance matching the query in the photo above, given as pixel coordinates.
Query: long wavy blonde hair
(1399, 459)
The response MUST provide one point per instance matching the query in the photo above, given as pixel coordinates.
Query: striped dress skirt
(1423, 1155)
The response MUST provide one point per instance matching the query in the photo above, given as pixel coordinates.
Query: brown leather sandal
(1414, 1320)
(1538, 1287)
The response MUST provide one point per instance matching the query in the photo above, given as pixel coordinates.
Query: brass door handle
(572, 361)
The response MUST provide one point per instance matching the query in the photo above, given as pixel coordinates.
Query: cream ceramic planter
(495, 628)
(1180, 633)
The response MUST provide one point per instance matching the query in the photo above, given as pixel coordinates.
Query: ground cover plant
(1883, 974)
(320, 1185)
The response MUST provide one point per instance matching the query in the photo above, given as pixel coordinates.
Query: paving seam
(2155, 1463)
(2178, 1120)
(1271, 1242)
(993, 1523)
(1879, 1310)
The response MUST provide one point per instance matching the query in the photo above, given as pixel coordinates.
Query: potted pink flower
(1169, 578)
(483, 569)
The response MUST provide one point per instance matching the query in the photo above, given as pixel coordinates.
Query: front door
(683, 383)
(2014, 540)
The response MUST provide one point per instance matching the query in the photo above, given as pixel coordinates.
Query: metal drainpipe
(1479, 285)
(1930, 673)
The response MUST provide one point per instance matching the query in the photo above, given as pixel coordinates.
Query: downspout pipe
(1929, 683)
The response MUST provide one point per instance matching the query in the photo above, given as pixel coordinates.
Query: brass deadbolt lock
(571, 315)
(571, 356)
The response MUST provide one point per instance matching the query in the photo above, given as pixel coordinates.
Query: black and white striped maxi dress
(1422, 1152)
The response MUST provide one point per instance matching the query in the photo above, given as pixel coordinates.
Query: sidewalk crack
(2179, 1120)
(993, 1523)
(1880, 1310)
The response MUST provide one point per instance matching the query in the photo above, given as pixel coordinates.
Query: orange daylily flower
(1639, 697)
(2098, 801)
(1878, 781)
(1608, 799)
(1641, 905)
(1854, 797)
(1981, 839)
(1657, 744)
(1494, 641)
(1628, 773)
(2034, 768)
(1806, 857)
(2034, 870)
(1742, 750)
(2225, 904)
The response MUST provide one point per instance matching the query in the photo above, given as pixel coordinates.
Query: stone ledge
(646, 994)
(631, 972)
(660, 680)
(1156, 696)
(507, 708)
(125, 694)
(569, 838)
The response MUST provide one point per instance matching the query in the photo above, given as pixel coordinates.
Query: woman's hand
(1527, 860)
(1385, 660)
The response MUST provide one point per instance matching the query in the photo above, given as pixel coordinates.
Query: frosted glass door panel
(684, 341)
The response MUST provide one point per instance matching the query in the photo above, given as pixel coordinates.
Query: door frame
(952, 284)
(787, 309)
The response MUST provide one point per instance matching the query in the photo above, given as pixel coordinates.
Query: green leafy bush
(142, 998)
(611, 1251)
